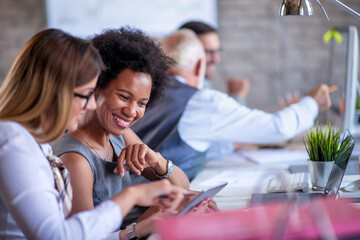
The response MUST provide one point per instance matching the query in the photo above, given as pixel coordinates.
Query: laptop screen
(344, 72)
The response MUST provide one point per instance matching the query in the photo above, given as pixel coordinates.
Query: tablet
(201, 197)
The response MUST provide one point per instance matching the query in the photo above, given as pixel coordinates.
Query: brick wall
(279, 54)
(19, 21)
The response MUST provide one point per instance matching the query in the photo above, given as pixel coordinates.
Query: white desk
(244, 177)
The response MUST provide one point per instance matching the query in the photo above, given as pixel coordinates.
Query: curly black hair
(128, 47)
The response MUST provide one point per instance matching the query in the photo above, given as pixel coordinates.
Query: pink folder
(319, 218)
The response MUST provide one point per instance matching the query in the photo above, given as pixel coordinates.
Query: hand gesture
(238, 87)
(138, 157)
(160, 193)
(147, 226)
(289, 99)
(206, 206)
(321, 94)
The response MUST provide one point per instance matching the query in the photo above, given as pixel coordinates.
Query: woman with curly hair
(47, 90)
(133, 79)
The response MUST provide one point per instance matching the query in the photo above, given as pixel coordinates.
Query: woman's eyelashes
(88, 92)
(126, 98)
(142, 104)
(123, 97)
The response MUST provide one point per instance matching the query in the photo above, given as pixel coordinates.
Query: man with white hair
(187, 120)
(208, 35)
(189, 57)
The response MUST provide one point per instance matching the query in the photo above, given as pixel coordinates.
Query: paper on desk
(275, 156)
(229, 160)
(235, 178)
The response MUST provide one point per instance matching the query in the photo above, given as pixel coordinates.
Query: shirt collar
(180, 79)
(46, 148)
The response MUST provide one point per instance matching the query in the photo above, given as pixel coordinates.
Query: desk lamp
(304, 8)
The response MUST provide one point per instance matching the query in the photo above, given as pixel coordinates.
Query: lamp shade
(296, 7)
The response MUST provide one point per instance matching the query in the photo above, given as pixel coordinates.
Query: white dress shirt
(29, 203)
(213, 117)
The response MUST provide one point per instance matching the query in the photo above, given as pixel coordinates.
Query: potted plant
(322, 145)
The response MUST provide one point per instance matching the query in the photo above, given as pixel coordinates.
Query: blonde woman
(95, 153)
(48, 89)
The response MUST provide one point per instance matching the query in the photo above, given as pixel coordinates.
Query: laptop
(332, 186)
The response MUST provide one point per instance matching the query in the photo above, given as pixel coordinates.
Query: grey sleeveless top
(106, 183)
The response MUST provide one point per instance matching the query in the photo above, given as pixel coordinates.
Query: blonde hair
(38, 90)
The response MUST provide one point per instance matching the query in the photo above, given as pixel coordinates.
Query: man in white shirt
(188, 119)
(238, 88)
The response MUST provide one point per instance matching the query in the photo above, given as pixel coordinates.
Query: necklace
(108, 150)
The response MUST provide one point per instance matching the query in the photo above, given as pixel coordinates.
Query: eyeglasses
(212, 52)
(85, 97)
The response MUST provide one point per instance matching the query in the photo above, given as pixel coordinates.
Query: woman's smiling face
(123, 101)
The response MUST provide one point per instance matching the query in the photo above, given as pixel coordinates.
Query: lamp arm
(322, 8)
(346, 8)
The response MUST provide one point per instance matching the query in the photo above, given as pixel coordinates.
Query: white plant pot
(319, 174)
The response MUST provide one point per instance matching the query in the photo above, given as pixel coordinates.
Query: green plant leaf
(337, 36)
(327, 37)
(332, 33)
(322, 145)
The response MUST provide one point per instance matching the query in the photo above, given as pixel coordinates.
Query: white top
(213, 117)
(29, 203)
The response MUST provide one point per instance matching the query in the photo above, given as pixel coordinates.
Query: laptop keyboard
(289, 182)
(261, 198)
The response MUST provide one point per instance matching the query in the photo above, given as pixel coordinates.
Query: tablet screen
(202, 196)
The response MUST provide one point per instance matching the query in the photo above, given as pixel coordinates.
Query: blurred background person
(238, 88)
(188, 120)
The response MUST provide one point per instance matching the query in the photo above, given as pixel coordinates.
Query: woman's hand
(147, 162)
(206, 206)
(159, 193)
(146, 227)
(138, 157)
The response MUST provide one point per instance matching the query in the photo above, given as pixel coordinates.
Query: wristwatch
(170, 169)
(130, 232)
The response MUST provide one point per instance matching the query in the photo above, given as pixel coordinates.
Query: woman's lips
(121, 122)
